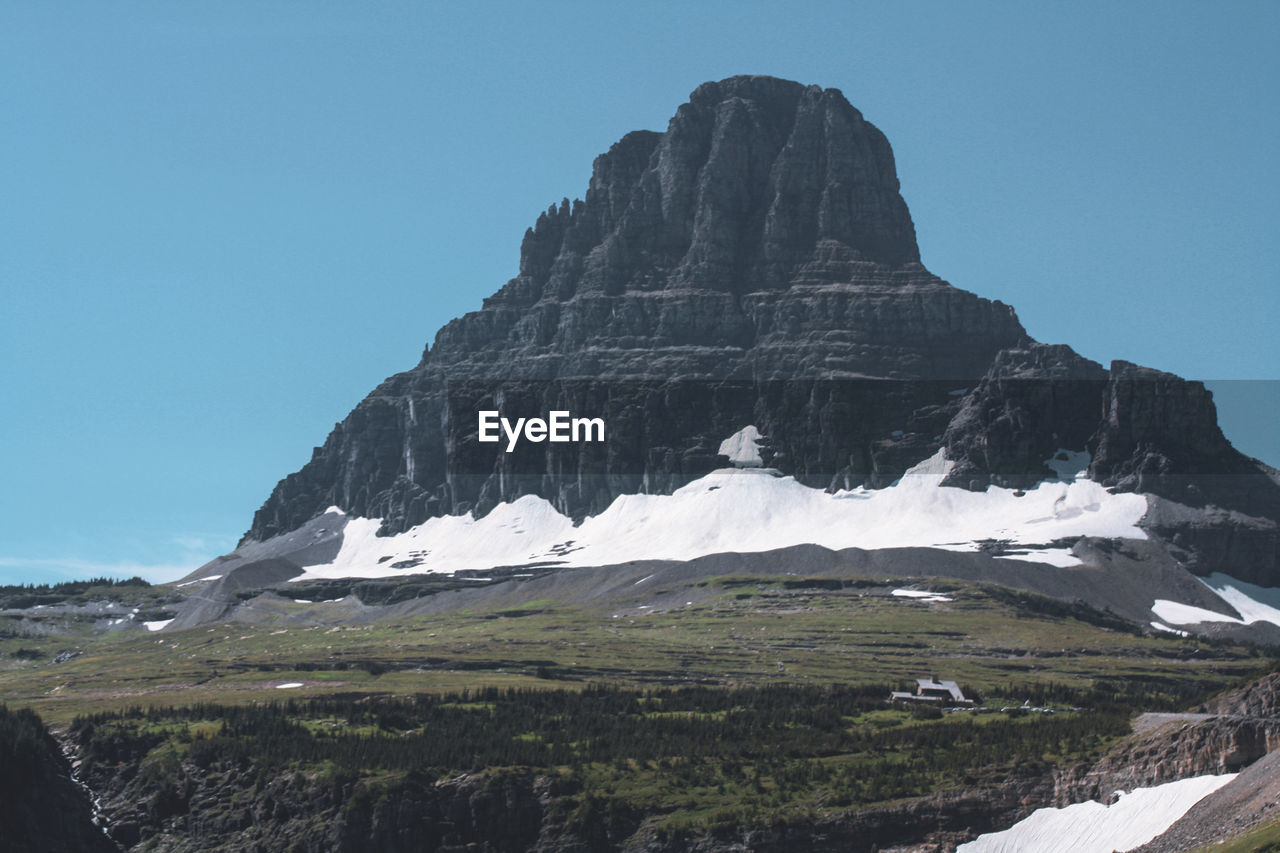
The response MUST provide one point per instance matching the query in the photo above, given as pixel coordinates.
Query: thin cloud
(45, 569)
(200, 544)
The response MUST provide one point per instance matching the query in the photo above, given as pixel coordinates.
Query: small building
(931, 689)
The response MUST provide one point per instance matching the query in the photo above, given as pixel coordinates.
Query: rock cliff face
(756, 264)
(1177, 750)
(221, 808)
(1259, 698)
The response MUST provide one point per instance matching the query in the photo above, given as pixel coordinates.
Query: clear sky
(221, 224)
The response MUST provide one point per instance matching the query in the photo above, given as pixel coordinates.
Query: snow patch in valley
(747, 510)
(1090, 827)
(1160, 627)
(158, 625)
(288, 685)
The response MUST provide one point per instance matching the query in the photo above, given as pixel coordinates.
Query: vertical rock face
(753, 264)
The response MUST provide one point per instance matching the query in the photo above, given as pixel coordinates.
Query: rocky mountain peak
(757, 184)
(755, 264)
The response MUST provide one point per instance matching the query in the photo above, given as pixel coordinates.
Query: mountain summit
(754, 267)
(757, 184)
(762, 235)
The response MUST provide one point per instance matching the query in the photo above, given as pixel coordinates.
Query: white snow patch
(156, 626)
(1091, 827)
(336, 509)
(937, 465)
(1160, 627)
(1176, 613)
(748, 510)
(922, 595)
(201, 580)
(1253, 603)
(743, 448)
(287, 685)
(1060, 557)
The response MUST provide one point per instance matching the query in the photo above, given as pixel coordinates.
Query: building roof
(932, 684)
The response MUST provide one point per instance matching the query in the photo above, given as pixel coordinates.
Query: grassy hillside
(780, 630)
(706, 706)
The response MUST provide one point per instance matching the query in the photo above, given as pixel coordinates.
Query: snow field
(1090, 827)
(747, 510)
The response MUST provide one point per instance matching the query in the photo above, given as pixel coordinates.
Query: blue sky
(222, 224)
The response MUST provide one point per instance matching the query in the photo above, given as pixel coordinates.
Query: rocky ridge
(1177, 750)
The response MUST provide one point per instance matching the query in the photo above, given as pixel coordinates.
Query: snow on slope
(1091, 827)
(1176, 613)
(1253, 603)
(921, 595)
(746, 510)
(205, 579)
